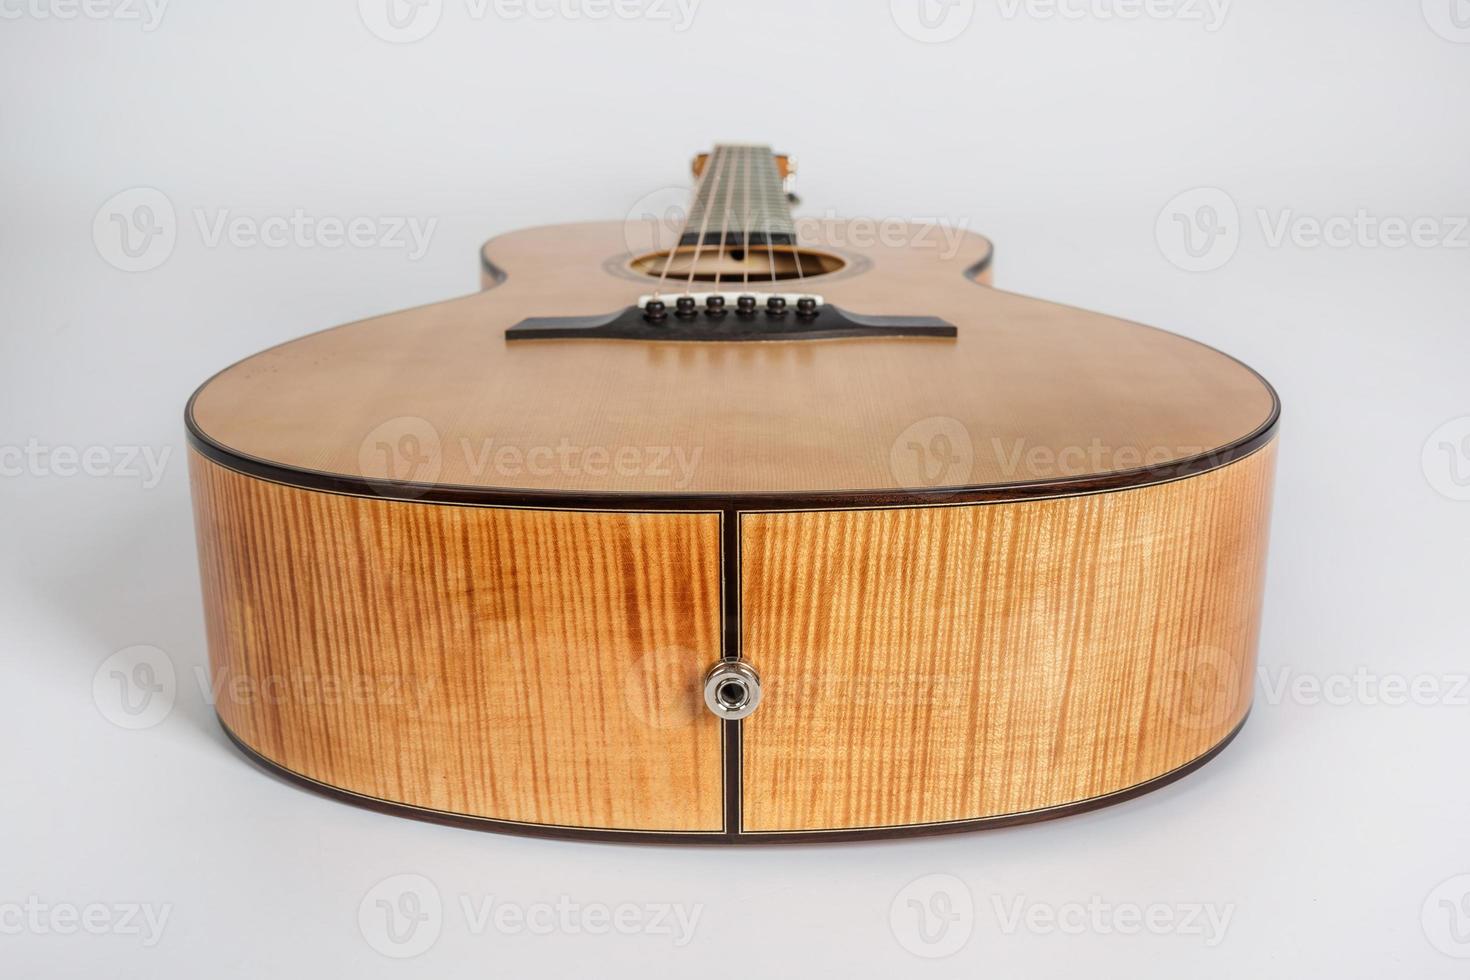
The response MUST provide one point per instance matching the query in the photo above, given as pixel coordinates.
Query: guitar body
(728, 587)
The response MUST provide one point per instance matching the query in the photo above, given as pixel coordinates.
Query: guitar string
(770, 163)
(718, 162)
(725, 221)
(684, 226)
(795, 243)
(745, 260)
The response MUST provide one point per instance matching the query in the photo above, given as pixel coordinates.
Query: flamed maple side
(997, 577)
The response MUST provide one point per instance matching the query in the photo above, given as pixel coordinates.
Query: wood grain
(523, 665)
(952, 663)
(1025, 381)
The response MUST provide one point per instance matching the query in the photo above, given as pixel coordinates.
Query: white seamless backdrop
(185, 183)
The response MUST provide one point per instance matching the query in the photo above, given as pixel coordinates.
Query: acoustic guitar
(734, 529)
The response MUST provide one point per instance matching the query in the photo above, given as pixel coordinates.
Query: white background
(1329, 833)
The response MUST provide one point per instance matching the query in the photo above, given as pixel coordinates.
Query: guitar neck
(740, 199)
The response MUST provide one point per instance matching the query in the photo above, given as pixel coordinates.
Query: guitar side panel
(925, 668)
(528, 666)
(932, 665)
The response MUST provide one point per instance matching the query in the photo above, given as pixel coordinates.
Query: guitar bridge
(729, 317)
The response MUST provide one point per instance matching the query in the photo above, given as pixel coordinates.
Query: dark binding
(826, 323)
(742, 838)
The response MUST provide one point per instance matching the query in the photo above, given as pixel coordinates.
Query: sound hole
(758, 264)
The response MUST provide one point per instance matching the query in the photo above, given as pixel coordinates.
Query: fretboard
(739, 199)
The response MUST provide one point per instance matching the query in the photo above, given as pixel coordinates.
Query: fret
(739, 200)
